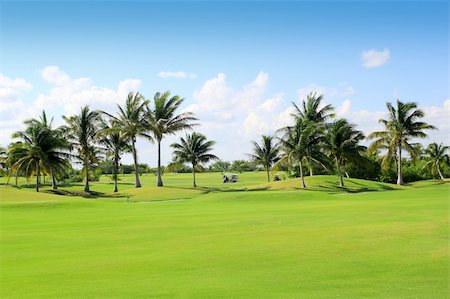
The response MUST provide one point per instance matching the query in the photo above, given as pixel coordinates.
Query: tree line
(315, 141)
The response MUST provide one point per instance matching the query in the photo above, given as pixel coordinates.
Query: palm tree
(42, 150)
(57, 149)
(296, 143)
(401, 125)
(313, 111)
(131, 121)
(164, 120)
(116, 143)
(435, 155)
(194, 149)
(81, 130)
(342, 143)
(265, 154)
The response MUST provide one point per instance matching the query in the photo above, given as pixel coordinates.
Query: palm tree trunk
(399, 166)
(9, 177)
(341, 180)
(311, 172)
(54, 187)
(137, 182)
(86, 176)
(115, 171)
(439, 171)
(37, 177)
(268, 175)
(193, 173)
(301, 174)
(160, 182)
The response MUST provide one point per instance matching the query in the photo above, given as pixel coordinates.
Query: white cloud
(53, 74)
(66, 96)
(13, 111)
(374, 58)
(217, 100)
(177, 74)
(70, 94)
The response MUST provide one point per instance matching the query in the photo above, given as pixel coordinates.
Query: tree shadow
(90, 194)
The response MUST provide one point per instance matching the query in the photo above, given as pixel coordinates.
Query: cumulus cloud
(13, 111)
(234, 115)
(66, 96)
(177, 74)
(373, 58)
(53, 74)
(70, 94)
(219, 101)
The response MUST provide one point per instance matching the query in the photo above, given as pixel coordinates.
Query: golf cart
(230, 177)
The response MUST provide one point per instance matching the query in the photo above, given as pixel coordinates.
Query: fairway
(245, 240)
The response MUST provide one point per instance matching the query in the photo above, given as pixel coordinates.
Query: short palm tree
(81, 130)
(116, 143)
(194, 149)
(131, 121)
(164, 120)
(57, 150)
(436, 155)
(342, 143)
(265, 154)
(313, 111)
(399, 128)
(39, 150)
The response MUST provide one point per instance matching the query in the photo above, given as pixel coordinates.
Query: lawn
(245, 240)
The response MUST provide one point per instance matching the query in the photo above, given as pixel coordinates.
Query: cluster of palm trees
(316, 139)
(92, 135)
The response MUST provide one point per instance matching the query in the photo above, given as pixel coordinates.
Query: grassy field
(245, 240)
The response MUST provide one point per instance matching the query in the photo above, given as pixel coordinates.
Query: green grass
(245, 240)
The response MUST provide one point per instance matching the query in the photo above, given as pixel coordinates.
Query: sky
(239, 65)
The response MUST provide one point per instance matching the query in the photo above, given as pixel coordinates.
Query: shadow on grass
(90, 194)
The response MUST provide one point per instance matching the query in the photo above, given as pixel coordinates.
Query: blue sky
(256, 57)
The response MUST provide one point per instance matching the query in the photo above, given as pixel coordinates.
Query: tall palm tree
(265, 154)
(131, 121)
(435, 155)
(314, 111)
(399, 128)
(163, 120)
(81, 130)
(116, 143)
(296, 143)
(194, 148)
(342, 143)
